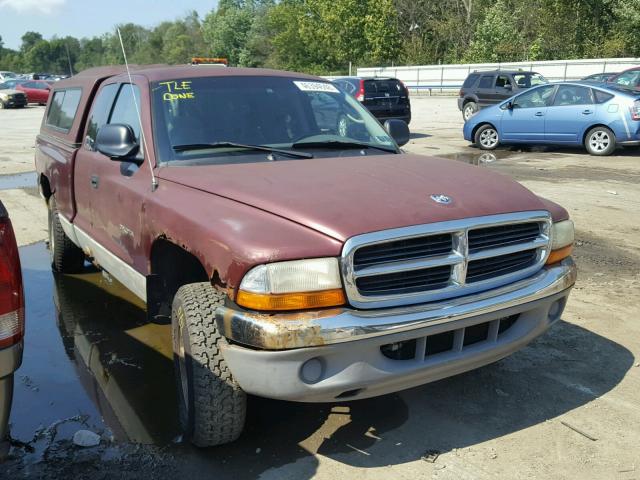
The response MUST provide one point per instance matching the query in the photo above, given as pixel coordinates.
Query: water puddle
(91, 361)
(479, 158)
(19, 180)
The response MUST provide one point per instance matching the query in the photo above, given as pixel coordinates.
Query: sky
(87, 18)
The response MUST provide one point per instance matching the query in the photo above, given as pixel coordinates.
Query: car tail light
(635, 110)
(461, 93)
(11, 293)
(360, 94)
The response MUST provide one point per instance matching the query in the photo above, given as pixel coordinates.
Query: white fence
(438, 78)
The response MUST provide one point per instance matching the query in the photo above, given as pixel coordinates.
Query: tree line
(325, 36)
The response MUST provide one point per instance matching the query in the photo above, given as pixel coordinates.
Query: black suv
(482, 89)
(384, 97)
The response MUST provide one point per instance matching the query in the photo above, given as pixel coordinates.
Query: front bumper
(15, 102)
(344, 345)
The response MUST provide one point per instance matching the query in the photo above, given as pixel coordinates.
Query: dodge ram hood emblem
(441, 198)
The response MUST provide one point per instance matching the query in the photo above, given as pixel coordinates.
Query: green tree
(496, 38)
(29, 40)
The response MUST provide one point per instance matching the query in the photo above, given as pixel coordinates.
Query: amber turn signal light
(560, 254)
(291, 301)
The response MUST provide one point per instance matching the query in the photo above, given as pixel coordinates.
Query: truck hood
(343, 197)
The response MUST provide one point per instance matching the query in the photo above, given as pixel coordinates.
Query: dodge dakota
(298, 253)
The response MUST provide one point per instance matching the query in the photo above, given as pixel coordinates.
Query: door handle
(539, 114)
(95, 180)
(587, 112)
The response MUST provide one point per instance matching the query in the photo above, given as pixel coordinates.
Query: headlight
(562, 237)
(294, 285)
(4, 96)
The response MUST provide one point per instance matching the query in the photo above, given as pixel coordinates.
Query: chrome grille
(502, 236)
(424, 263)
(419, 247)
(405, 282)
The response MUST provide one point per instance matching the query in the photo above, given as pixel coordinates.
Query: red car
(11, 322)
(37, 91)
(629, 78)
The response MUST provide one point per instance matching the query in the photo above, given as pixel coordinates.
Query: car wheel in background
(600, 141)
(469, 110)
(65, 256)
(211, 405)
(487, 138)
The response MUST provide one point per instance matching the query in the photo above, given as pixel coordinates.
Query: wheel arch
(591, 127)
(172, 266)
(45, 187)
(482, 124)
(469, 99)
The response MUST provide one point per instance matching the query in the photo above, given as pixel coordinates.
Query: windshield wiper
(258, 148)
(341, 144)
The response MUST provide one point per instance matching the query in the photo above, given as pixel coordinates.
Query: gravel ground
(527, 416)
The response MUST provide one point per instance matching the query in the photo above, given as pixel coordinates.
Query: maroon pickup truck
(295, 259)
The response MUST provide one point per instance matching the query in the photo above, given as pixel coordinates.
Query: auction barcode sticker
(315, 86)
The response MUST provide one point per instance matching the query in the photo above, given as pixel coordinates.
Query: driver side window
(535, 98)
(99, 114)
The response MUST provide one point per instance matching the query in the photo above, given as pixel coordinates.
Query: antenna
(154, 181)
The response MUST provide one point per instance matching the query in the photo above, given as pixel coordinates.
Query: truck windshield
(277, 112)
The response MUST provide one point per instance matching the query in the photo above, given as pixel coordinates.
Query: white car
(7, 76)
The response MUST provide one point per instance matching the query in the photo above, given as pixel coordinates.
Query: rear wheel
(487, 137)
(469, 110)
(65, 256)
(600, 141)
(212, 406)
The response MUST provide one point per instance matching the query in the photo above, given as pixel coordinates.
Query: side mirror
(398, 130)
(118, 142)
(508, 86)
(509, 105)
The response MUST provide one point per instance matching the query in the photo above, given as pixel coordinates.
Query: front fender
(228, 237)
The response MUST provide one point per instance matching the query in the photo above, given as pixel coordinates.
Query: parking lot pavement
(565, 407)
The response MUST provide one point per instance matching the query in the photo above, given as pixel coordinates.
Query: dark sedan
(600, 77)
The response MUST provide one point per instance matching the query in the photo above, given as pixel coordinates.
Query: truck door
(118, 207)
(87, 159)
(117, 190)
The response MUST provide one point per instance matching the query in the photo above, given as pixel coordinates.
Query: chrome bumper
(285, 331)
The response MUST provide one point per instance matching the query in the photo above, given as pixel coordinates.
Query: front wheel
(600, 141)
(211, 405)
(487, 137)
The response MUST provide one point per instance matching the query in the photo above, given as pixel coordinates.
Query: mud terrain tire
(212, 406)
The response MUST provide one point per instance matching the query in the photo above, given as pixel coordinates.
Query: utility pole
(69, 59)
